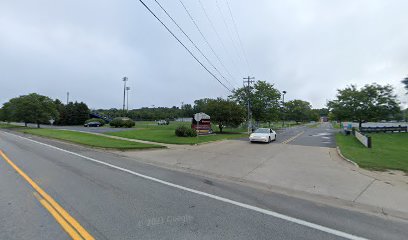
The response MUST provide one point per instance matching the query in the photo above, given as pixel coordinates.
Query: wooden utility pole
(248, 81)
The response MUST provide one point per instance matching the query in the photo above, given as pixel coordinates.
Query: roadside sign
(199, 116)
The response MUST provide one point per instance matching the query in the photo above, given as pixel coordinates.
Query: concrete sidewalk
(312, 170)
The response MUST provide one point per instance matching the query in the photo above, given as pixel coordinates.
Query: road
(78, 128)
(113, 197)
(306, 135)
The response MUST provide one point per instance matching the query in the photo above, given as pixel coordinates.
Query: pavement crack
(365, 189)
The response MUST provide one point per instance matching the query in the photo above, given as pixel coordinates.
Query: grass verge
(8, 126)
(88, 139)
(389, 151)
(166, 135)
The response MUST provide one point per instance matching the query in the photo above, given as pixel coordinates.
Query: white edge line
(222, 199)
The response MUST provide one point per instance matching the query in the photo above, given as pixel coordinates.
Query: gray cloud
(309, 48)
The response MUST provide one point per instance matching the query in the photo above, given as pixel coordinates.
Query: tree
(264, 100)
(298, 110)
(405, 82)
(31, 108)
(72, 113)
(224, 112)
(187, 110)
(371, 103)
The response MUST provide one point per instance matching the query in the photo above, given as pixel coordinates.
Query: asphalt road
(78, 128)
(113, 203)
(305, 135)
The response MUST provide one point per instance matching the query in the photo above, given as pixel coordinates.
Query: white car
(263, 135)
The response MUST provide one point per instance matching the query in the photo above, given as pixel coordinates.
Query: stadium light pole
(127, 99)
(125, 79)
(283, 108)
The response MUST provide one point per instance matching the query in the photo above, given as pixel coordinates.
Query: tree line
(372, 102)
(264, 99)
(39, 109)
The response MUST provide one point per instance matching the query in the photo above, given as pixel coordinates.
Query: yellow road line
(51, 202)
(292, 138)
(64, 224)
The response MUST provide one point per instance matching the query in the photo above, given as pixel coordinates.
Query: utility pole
(125, 79)
(67, 98)
(249, 80)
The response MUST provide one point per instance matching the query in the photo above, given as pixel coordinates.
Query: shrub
(191, 132)
(183, 131)
(101, 121)
(122, 122)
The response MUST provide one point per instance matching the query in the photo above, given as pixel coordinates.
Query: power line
(239, 37)
(218, 35)
(202, 35)
(226, 26)
(192, 42)
(188, 50)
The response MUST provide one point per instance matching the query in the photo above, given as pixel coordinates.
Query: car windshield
(262, 130)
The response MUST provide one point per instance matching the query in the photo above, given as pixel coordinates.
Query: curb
(343, 157)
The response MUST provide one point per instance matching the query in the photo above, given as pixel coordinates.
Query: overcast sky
(309, 48)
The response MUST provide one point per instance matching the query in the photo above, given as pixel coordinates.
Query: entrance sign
(201, 123)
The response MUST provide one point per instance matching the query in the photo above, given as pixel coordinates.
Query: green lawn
(335, 125)
(6, 125)
(89, 139)
(389, 151)
(166, 135)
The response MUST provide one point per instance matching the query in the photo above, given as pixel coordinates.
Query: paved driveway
(300, 164)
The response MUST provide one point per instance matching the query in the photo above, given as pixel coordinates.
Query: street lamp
(283, 108)
(125, 79)
(127, 99)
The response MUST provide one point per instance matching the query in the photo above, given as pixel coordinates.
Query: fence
(384, 129)
(365, 140)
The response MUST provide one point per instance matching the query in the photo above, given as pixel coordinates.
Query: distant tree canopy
(299, 111)
(405, 82)
(264, 100)
(370, 103)
(73, 113)
(31, 108)
(224, 112)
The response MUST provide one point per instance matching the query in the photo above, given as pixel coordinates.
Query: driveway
(305, 160)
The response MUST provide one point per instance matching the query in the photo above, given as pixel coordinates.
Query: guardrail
(384, 129)
(365, 140)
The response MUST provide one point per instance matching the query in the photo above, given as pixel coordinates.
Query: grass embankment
(149, 131)
(88, 139)
(389, 151)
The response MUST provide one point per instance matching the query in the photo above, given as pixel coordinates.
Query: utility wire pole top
(248, 81)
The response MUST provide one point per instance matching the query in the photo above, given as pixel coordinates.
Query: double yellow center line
(292, 138)
(67, 222)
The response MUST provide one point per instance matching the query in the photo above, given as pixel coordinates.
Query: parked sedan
(92, 124)
(263, 135)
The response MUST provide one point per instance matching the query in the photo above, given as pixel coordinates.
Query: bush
(183, 131)
(101, 121)
(122, 122)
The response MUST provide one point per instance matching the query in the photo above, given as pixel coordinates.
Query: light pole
(283, 108)
(125, 79)
(127, 99)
